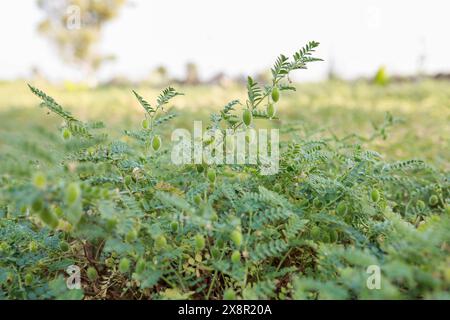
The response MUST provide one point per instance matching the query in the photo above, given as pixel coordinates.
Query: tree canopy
(75, 27)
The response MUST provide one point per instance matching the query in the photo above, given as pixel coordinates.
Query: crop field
(92, 207)
(319, 109)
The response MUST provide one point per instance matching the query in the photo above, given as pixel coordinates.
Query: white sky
(244, 36)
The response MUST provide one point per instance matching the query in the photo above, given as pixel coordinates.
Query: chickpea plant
(140, 227)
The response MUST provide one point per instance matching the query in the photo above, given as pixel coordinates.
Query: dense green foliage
(141, 227)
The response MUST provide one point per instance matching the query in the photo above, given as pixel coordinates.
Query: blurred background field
(317, 109)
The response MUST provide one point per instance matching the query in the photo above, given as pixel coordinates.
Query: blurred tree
(37, 75)
(159, 77)
(192, 73)
(331, 73)
(74, 27)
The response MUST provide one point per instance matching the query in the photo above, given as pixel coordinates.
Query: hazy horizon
(356, 37)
